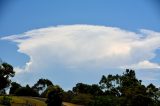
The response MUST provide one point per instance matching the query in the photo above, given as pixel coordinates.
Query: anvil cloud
(80, 46)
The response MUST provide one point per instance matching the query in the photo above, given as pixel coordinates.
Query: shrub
(6, 101)
(83, 99)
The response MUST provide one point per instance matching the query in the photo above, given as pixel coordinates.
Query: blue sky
(19, 16)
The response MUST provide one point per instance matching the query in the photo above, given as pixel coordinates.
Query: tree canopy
(14, 87)
(116, 90)
(41, 85)
(112, 90)
(6, 72)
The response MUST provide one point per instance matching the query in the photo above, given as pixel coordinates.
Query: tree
(128, 88)
(93, 89)
(26, 91)
(83, 99)
(154, 93)
(54, 96)
(6, 72)
(14, 87)
(67, 96)
(110, 84)
(42, 85)
(81, 88)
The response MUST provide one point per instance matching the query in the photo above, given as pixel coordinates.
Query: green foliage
(2, 92)
(54, 96)
(24, 101)
(14, 87)
(113, 90)
(6, 101)
(50, 88)
(117, 90)
(87, 89)
(105, 101)
(6, 71)
(41, 85)
(129, 89)
(67, 96)
(26, 91)
(83, 99)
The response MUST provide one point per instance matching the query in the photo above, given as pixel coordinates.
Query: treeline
(40, 89)
(112, 90)
(115, 90)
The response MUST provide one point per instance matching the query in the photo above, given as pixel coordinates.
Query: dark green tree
(26, 91)
(110, 85)
(154, 93)
(6, 72)
(42, 85)
(127, 87)
(93, 89)
(54, 96)
(81, 88)
(68, 96)
(14, 87)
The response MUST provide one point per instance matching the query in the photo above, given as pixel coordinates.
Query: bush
(67, 96)
(54, 96)
(26, 91)
(6, 101)
(105, 101)
(83, 99)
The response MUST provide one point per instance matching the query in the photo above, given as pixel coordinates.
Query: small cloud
(144, 65)
(18, 70)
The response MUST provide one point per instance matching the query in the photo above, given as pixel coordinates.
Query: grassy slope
(70, 104)
(16, 99)
(37, 101)
(31, 100)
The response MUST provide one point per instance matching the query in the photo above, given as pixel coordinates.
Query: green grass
(32, 100)
(70, 104)
(17, 99)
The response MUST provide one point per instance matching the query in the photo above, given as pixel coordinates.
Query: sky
(71, 41)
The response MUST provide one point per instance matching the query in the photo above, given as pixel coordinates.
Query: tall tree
(6, 72)
(26, 91)
(110, 84)
(42, 85)
(14, 87)
(128, 88)
(153, 92)
(54, 96)
(93, 89)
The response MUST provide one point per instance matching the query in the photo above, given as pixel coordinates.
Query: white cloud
(144, 65)
(78, 46)
(18, 69)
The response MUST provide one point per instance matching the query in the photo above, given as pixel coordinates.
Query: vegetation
(115, 90)
(26, 91)
(5, 100)
(112, 90)
(14, 87)
(15, 100)
(42, 85)
(54, 96)
(6, 71)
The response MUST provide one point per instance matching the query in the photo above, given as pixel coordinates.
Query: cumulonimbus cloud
(74, 46)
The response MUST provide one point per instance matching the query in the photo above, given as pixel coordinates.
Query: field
(20, 101)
